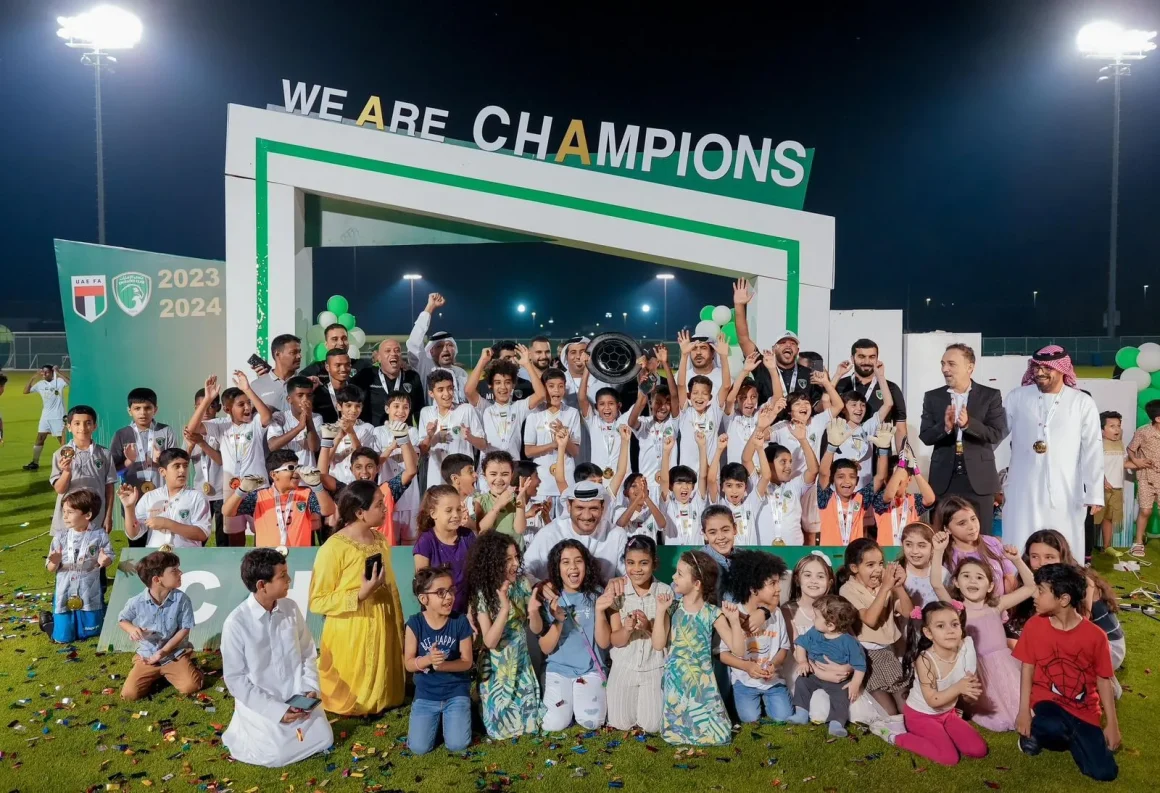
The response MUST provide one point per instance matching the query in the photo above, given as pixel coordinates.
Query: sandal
(1137, 551)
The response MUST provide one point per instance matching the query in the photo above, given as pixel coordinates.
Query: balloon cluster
(716, 320)
(1141, 367)
(337, 312)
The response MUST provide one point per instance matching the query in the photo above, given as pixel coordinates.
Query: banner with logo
(211, 578)
(139, 319)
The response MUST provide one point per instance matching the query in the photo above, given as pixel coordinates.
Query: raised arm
(416, 353)
(682, 390)
(196, 421)
(471, 390)
(741, 297)
(1012, 599)
(723, 360)
(242, 382)
(667, 446)
(713, 474)
(826, 382)
(887, 395)
(539, 393)
(622, 459)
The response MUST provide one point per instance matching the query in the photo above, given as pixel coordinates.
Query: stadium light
(521, 308)
(664, 278)
(1108, 41)
(96, 32)
(646, 308)
(412, 277)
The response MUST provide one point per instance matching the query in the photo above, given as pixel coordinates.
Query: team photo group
(534, 497)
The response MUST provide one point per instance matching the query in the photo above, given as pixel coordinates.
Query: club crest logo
(90, 300)
(183, 515)
(300, 506)
(132, 292)
(406, 388)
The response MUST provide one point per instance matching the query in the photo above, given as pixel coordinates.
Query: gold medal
(166, 548)
(779, 541)
(148, 487)
(207, 488)
(657, 478)
(74, 603)
(1040, 447)
(235, 483)
(608, 473)
(282, 549)
(67, 452)
(552, 469)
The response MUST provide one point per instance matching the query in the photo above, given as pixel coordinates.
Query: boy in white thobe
(268, 659)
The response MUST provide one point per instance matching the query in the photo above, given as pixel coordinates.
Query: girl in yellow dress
(361, 663)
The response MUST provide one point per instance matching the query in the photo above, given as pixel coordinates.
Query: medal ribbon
(899, 517)
(869, 389)
(388, 389)
(283, 516)
(145, 452)
(1044, 421)
(775, 508)
(845, 519)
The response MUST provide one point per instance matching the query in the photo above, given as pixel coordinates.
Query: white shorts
(52, 426)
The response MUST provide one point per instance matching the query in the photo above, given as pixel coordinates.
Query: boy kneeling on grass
(159, 620)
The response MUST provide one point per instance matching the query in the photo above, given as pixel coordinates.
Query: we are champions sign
(739, 167)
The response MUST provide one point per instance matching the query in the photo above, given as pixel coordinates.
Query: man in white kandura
(1057, 453)
(270, 666)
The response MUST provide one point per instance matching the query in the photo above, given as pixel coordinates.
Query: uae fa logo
(132, 292)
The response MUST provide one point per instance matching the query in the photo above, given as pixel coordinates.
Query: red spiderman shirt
(1067, 664)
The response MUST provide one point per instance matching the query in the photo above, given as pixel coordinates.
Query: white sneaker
(883, 730)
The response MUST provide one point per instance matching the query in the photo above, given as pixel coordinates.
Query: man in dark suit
(962, 423)
(388, 377)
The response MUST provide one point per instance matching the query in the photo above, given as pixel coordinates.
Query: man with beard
(440, 351)
(506, 351)
(864, 357)
(704, 362)
(270, 384)
(574, 358)
(540, 352)
(794, 376)
(334, 337)
(1057, 453)
(385, 378)
(588, 522)
(338, 374)
(962, 423)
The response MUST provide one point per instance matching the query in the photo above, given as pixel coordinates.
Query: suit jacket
(986, 426)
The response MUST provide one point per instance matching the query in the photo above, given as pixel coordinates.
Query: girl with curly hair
(498, 594)
(570, 634)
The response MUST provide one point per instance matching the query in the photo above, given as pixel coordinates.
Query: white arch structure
(279, 165)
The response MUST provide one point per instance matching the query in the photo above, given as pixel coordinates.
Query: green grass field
(67, 730)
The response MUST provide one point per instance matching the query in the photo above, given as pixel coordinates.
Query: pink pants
(940, 738)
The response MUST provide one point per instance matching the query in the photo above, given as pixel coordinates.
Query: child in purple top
(957, 517)
(443, 542)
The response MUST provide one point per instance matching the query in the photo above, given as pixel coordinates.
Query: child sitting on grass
(830, 640)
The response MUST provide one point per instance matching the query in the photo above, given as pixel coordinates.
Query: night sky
(964, 147)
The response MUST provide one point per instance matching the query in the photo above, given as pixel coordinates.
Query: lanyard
(899, 517)
(283, 516)
(145, 451)
(610, 436)
(238, 443)
(869, 389)
(591, 652)
(791, 384)
(776, 503)
(740, 517)
(333, 398)
(398, 384)
(501, 416)
(846, 519)
(1045, 420)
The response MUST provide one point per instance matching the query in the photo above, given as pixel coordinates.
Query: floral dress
(508, 688)
(694, 712)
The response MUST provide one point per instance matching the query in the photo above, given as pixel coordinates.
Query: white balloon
(353, 352)
(722, 315)
(1137, 376)
(736, 361)
(315, 336)
(707, 327)
(327, 318)
(1149, 357)
(357, 337)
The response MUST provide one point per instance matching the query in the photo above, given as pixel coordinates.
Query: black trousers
(960, 485)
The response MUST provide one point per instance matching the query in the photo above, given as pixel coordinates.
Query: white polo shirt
(538, 432)
(243, 446)
(781, 513)
(650, 435)
(683, 521)
(340, 456)
(689, 422)
(284, 422)
(501, 426)
(605, 439)
(745, 517)
(188, 506)
(203, 469)
(449, 437)
(52, 396)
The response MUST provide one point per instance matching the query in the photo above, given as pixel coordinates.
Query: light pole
(533, 319)
(412, 277)
(1145, 291)
(98, 31)
(1107, 41)
(665, 278)
(625, 315)
(1034, 298)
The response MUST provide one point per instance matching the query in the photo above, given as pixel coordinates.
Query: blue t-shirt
(431, 683)
(572, 658)
(841, 650)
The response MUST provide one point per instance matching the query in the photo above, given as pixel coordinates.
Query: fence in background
(26, 351)
(1085, 350)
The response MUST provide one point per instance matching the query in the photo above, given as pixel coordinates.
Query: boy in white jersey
(205, 462)
(741, 409)
(172, 515)
(862, 426)
(446, 428)
(602, 418)
(297, 427)
(51, 389)
(347, 435)
(83, 464)
(780, 520)
(503, 416)
(683, 495)
(137, 447)
(240, 437)
(540, 434)
(393, 462)
(652, 430)
(638, 513)
(699, 410)
(734, 491)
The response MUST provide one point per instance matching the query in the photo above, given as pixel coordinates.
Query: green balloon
(320, 351)
(1126, 357)
(338, 304)
(1147, 395)
(347, 320)
(707, 313)
(730, 331)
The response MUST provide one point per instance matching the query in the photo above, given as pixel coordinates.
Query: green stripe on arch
(791, 248)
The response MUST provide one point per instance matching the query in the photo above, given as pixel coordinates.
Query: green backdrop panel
(210, 578)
